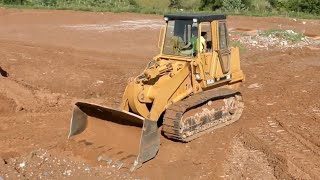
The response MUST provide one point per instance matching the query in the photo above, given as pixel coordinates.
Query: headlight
(198, 77)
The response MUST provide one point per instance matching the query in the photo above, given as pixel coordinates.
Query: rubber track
(174, 112)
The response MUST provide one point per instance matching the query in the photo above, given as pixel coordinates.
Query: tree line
(306, 6)
(303, 6)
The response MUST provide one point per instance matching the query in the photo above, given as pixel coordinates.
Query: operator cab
(189, 34)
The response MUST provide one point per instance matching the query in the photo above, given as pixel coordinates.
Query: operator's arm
(203, 42)
(187, 46)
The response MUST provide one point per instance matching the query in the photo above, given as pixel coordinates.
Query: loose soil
(55, 58)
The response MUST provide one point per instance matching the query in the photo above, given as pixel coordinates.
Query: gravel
(41, 164)
(274, 39)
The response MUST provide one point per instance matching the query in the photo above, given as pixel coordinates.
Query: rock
(270, 104)
(67, 172)
(118, 164)
(99, 82)
(254, 86)
(283, 43)
(106, 159)
(290, 32)
(22, 165)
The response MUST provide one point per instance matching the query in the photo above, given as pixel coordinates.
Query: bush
(232, 5)
(191, 4)
(307, 6)
(12, 1)
(258, 5)
(210, 4)
(261, 5)
(273, 3)
(50, 2)
(175, 4)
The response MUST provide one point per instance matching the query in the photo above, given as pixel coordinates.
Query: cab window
(206, 34)
(223, 36)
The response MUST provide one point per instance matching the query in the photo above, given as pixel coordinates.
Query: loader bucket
(150, 135)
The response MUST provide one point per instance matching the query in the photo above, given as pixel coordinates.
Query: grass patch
(238, 44)
(288, 35)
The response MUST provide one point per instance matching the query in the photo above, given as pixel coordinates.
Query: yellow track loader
(187, 90)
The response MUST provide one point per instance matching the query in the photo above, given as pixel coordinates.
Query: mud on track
(57, 57)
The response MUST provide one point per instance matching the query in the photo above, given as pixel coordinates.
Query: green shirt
(194, 41)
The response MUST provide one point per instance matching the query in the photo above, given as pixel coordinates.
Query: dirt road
(57, 57)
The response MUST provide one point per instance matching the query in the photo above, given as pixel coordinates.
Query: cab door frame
(224, 51)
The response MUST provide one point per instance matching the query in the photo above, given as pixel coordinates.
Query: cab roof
(199, 17)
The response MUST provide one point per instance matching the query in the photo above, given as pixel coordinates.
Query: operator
(194, 41)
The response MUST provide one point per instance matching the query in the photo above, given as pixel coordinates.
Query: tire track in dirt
(245, 162)
(302, 138)
(277, 161)
(284, 118)
(292, 158)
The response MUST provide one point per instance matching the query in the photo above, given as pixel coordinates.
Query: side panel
(223, 67)
(235, 70)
